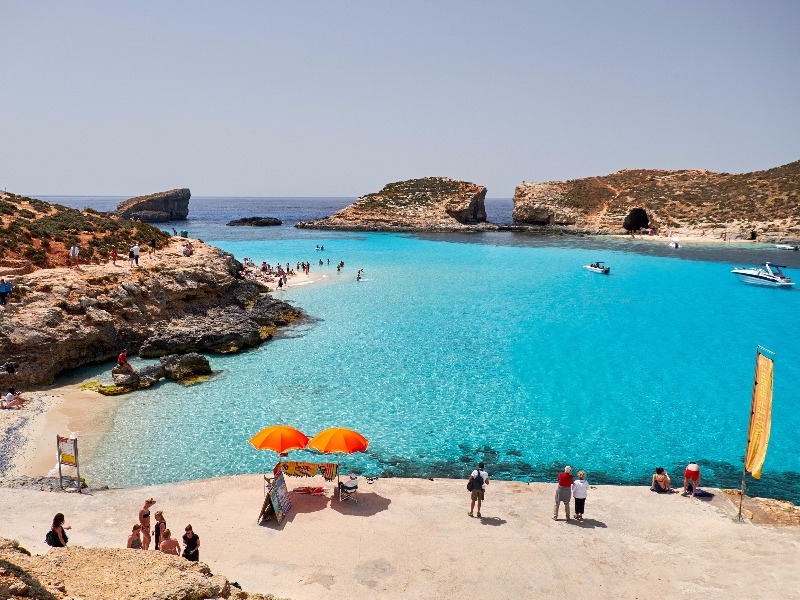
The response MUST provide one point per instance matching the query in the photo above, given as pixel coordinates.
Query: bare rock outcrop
(428, 204)
(687, 201)
(105, 573)
(172, 205)
(67, 318)
(255, 222)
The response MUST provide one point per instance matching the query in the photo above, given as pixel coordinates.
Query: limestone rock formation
(105, 573)
(256, 222)
(177, 367)
(428, 204)
(156, 208)
(693, 202)
(68, 318)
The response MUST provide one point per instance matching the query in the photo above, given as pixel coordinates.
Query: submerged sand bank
(413, 539)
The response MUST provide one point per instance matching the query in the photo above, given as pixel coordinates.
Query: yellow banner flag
(760, 417)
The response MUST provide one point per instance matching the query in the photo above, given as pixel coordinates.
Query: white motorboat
(787, 247)
(598, 267)
(770, 275)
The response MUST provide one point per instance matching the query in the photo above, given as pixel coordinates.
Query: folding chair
(348, 492)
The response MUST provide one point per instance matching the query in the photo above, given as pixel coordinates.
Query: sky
(320, 98)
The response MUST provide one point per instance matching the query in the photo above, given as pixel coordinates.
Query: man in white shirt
(73, 254)
(480, 479)
(136, 251)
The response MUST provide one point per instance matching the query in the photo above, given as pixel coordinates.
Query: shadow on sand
(587, 523)
(301, 504)
(494, 521)
(368, 504)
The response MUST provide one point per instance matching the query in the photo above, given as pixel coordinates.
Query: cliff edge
(427, 204)
(172, 205)
(694, 202)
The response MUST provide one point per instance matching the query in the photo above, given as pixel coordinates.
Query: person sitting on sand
(660, 482)
(691, 479)
(169, 545)
(14, 399)
(135, 539)
(122, 362)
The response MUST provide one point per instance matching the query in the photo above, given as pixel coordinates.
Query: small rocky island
(427, 204)
(255, 222)
(172, 205)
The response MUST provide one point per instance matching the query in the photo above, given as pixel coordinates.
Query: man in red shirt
(563, 492)
(122, 362)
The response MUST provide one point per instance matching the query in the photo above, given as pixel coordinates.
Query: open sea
(496, 347)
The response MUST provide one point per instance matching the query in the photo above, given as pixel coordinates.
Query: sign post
(67, 452)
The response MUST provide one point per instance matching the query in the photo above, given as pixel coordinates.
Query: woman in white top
(580, 489)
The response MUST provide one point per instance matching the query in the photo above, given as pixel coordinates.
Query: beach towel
(314, 491)
(329, 471)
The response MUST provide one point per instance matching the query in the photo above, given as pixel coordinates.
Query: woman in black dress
(58, 539)
(191, 545)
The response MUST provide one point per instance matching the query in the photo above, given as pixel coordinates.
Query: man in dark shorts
(481, 479)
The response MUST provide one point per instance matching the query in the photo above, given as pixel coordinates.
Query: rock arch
(637, 219)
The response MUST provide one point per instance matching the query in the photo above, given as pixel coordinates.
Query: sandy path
(413, 539)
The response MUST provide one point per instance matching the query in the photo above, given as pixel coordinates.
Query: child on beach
(134, 539)
(580, 489)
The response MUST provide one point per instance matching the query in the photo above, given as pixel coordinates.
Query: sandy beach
(413, 539)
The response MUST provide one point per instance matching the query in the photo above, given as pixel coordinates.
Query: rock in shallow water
(256, 222)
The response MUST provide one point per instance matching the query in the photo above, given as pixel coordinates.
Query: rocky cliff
(65, 318)
(36, 234)
(155, 208)
(428, 204)
(687, 201)
(105, 573)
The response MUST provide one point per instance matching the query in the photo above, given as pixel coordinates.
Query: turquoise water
(492, 347)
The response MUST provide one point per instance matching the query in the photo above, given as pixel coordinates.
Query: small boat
(787, 247)
(598, 267)
(769, 275)
(675, 243)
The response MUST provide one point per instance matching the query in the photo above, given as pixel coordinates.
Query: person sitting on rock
(122, 362)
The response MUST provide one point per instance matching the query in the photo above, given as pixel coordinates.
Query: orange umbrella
(279, 438)
(339, 439)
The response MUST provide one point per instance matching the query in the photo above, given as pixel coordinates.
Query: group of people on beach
(13, 400)
(142, 535)
(569, 488)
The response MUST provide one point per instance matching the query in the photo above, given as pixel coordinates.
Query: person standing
(5, 291)
(57, 537)
(170, 545)
(153, 247)
(160, 528)
(479, 479)
(191, 545)
(134, 539)
(113, 255)
(74, 252)
(563, 492)
(136, 250)
(691, 479)
(144, 521)
(580, 489)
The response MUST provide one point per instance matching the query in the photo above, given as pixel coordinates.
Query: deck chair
(348, 492)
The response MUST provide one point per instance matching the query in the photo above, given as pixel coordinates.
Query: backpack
(51, 539)
(476, 483)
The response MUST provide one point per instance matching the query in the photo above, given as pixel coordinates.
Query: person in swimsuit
(144, 521)
(691, 479)
(113, 255)
(191, 545)
(122, 362)
(170, 545)
(134, 539)
(161, 526)
(58, 527)
(660, 481)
